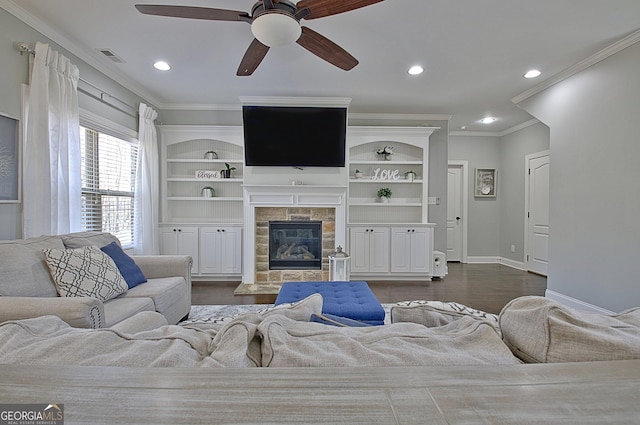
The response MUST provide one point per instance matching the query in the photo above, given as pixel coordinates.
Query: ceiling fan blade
(252, 58)
(326, 49)
(322, 8)
(193, 12)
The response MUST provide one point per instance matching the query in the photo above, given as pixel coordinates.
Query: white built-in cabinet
(393, 239)
(180, 240)
(221, 250)
(411, 250)
(369, 249)
(208, 228)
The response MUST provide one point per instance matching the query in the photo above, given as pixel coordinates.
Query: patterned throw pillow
(85, 272)
(438, 313)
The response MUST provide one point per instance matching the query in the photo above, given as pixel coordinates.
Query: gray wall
(594, 198)
(438, 152)
(513, 149)
(14, 73)
(483, 219)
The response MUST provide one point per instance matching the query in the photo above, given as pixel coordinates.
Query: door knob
(458, 218)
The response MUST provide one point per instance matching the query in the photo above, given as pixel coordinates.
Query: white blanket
(282, 337)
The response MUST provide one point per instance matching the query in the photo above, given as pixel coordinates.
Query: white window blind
(108, 179)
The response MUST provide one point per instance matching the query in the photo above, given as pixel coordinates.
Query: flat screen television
(294, 136)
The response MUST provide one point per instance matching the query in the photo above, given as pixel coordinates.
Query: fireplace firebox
(295, 245)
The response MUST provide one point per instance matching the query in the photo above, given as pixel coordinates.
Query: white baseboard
(575, 303)
(482, 260)
(512, 263)
(496, 260)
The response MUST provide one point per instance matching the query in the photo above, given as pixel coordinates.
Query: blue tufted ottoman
(352, 299)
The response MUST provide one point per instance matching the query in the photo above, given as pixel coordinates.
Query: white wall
(594, 196)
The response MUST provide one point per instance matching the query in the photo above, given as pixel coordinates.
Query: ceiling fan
(275, 23)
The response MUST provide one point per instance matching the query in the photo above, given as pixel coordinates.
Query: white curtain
(145, 213)
(51, 158)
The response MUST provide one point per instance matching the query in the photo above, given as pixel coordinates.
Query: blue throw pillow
(330, 319)
(128, 268)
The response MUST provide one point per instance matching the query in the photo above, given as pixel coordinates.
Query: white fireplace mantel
(307, 196)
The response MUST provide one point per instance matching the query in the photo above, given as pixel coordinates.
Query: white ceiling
(474, 52)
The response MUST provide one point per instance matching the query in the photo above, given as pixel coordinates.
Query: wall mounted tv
(294, 136)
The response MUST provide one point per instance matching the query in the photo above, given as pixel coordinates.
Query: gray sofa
(27, 288)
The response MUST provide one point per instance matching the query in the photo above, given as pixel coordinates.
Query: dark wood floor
(486, 287)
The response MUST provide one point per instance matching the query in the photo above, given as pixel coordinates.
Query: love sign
(380, 174)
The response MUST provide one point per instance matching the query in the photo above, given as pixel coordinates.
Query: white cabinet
(180, 240)
(411, 250)
(369, 249)
(221, 250)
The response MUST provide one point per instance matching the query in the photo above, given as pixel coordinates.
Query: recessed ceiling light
(487, 120)
(532, 73)
(416, 70)
(162, 66)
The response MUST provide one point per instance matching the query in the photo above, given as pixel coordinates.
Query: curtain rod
(23, 48)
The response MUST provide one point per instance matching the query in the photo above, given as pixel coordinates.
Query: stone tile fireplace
(297, 270)
(324, 205)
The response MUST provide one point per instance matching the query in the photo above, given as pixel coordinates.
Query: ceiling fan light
(275, 29)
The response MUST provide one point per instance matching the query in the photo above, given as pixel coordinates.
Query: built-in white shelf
(206, 161)
(204, 199)
(192, 179)
(366, 180)
(385, 163)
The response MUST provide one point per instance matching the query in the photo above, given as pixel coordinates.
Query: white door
(400, 249)
(180, 241)
(537, 255)
(231, 250)
(421, 260)
(359, 249)
(379, 244)
(454, 213)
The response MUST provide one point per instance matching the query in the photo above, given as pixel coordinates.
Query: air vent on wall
(109, 53)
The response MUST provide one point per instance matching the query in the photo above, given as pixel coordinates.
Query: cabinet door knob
(175, 230)
(179, 230)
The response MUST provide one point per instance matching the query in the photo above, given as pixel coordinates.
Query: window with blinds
(108, 184)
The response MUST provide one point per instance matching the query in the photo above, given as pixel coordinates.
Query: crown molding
(580, 66)
(495, 133)
(199, 107)
(474, 133)
(87, 55)
(338, 102)
(398, 117)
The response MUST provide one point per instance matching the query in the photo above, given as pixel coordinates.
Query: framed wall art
(485, 186)
(9, 160)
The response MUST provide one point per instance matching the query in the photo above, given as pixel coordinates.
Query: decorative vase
(358, 175)
(225, 174)
(384, 200)
(210, 155)
(208, 192)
